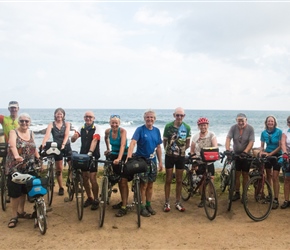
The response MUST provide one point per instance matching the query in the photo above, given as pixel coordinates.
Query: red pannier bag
(210, 154)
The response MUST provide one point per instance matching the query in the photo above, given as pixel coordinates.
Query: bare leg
(238, 183)
(178, 177)
(143, 188)
(149, 191)
(276, 184)
(95, 186)
(124, 190)
(286, 187)
(58, 167)
(167, 184)
(245, 179)
(269, 176)
(86, 177)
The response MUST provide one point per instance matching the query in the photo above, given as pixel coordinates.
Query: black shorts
(171, 161)
(66, 152)
(273, 163)
(210, 169)
(15, 190)
(242, 165)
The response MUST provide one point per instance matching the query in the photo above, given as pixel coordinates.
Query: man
(90, 141)
(148, 141)
(176, 139)
(243, 137)
(10, 122)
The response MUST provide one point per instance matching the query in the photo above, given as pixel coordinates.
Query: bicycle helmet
(202, 120)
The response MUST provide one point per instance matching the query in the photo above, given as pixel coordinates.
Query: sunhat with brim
(13, 104)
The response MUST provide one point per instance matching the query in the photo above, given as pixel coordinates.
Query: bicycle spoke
(210, 200)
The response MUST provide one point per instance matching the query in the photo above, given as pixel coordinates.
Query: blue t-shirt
(271, 138)
(147, 141)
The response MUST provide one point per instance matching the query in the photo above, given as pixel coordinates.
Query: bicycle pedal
(115, 190)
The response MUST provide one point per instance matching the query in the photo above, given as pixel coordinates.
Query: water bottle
(194, 180)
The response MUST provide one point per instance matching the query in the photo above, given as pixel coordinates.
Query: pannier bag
(135, 165)
(37, 186)
(210, 154)
(80, 161)
(3, 149)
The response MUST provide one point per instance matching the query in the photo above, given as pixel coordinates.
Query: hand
(19, 159)
(90, 153)
(116, 161)
(227, 152)
(244, 155)
(160, 168)
(107, 152)
(285, 156)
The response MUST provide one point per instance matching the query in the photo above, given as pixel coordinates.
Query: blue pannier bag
(36, 187)
(80, 161)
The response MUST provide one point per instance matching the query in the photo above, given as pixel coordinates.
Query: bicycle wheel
(79, 191)
(186, 186)
(41, 216)
(210, 200)
(103, 200)
(50, 183)
(137, 199)
(70, 185)
(258, 198)
(4, 190)
(224, 177)
(232, 182)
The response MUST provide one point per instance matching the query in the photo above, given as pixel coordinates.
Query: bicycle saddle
(21, 178)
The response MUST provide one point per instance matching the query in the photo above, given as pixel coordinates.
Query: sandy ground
(173, 230)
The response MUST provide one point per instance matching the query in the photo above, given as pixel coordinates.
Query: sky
(232, 55)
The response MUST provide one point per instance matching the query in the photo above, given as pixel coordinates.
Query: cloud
(151, 17)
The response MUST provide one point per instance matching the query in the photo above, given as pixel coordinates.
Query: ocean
(220, 121)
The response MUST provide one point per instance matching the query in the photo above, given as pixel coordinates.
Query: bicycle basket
(80, 161)
(135, 165)
(3, 149)
(36, 186)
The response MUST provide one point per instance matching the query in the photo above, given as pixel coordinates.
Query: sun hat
(13, 104)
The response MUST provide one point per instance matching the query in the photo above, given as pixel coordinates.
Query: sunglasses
(22, 121)
(113, 116)
(288, 122)
(179, 115)
(88, 117)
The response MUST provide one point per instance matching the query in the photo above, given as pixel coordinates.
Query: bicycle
(47, 155)
(3, 177)
(75, 183)
(228, 175)
(36, 187)
(191, 184)
(258, 195)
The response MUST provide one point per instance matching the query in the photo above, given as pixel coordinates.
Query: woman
(60, 133)
(285, 145)
(22, 148)
(117, 138)
(272, 136)
(204, 138)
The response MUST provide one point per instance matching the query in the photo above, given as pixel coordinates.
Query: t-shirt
(287, 133)
(202, 142)
(8, 124)
(241, 141)
(147, 141)
(272, 139)
(177, 138)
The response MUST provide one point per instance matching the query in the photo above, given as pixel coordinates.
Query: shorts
(284, 164)
(151, 174)
(171, 161)
(93, 167)
(118, 169)
(210, 169)
(15, 190)
(242, 165)
(66, 152)
(273, 163)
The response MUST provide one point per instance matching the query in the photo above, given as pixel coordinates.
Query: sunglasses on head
(113, 116)
(22, 121)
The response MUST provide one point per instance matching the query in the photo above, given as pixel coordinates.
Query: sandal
(24, 215)
(12, 223)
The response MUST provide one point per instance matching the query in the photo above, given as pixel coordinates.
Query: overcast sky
(198, 55)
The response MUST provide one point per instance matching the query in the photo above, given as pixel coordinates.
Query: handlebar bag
(3, 149)
(80, 161)
(135, 165)
(209, 154)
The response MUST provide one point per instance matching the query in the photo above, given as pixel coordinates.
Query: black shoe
(117, 206)
(285, 204)
(236, 197)
(88, 202)
(275, 204)
(150, 210)
(201, 204)
(61, 191)
(145, 212)
(95, 205)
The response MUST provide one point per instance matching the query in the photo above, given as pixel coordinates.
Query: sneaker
(285, 204)
(236, 197)
(166, 207)
(61, 191)
(117, 206)
(95, 205)
(145, 212)
(275, 204)
(88, 202)
(121, 212)
(150, 210)
(179, 207)
(201, 204)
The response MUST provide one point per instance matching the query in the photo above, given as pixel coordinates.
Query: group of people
(147, 140)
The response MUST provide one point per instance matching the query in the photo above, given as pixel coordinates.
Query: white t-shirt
(202, 142)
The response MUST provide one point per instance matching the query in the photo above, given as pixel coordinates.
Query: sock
(148, 203)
